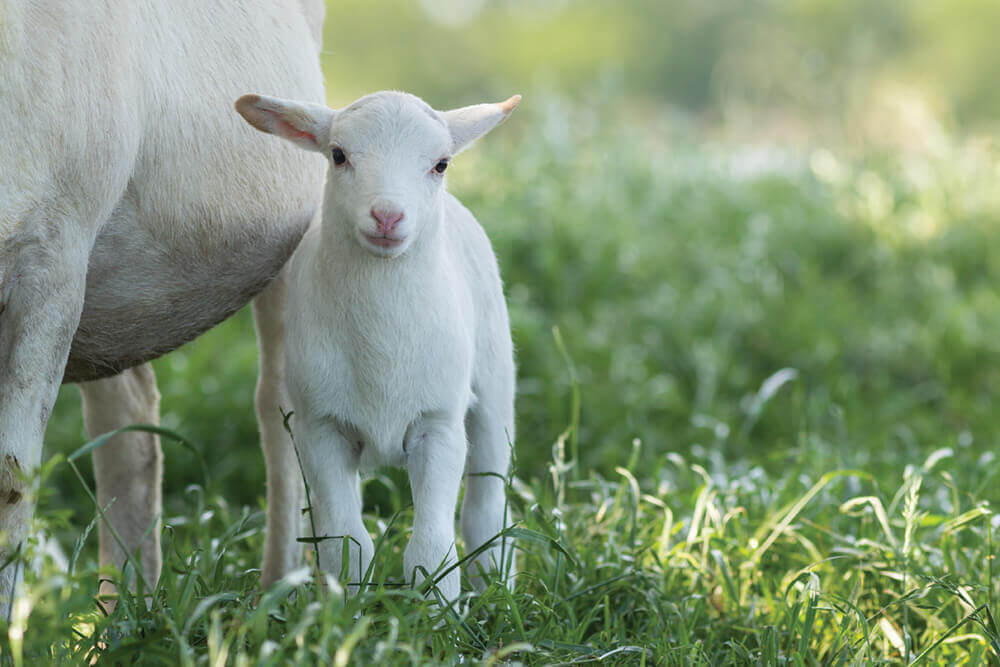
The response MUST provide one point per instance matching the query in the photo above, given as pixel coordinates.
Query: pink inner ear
(292, 132)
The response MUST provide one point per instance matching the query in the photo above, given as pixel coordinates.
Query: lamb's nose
(386, 219)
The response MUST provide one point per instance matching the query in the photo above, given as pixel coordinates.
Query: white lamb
(398, 345)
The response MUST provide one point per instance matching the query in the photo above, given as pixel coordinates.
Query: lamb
(136, 211)
(398, 346)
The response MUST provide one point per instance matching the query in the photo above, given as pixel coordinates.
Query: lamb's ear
(303, 124)
(469, 123)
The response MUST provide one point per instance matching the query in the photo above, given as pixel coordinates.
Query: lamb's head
(388, 154)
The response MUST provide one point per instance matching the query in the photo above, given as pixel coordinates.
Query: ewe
(398, 347)
(135, 213)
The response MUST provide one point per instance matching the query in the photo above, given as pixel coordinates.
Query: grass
(755, 426)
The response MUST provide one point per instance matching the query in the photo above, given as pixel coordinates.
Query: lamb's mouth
(383, 241)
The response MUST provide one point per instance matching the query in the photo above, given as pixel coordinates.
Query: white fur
(135, 210)
(397, 355)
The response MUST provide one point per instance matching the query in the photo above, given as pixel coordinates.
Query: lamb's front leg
(435, 451)
(330, 466)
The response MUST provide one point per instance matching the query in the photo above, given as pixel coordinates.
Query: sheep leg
(435, 459)
(128, 469)
(484, 508)
(43, 267)
(284, 481)
(330, 466)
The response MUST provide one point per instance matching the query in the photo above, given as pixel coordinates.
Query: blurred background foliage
(788, 64)
(698, 194)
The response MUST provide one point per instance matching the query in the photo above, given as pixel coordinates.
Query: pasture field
(757, 424)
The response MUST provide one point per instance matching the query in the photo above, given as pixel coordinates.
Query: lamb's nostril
(386, 219)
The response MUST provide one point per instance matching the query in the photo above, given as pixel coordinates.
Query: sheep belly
(169, 292)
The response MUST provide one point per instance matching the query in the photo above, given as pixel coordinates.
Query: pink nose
(386, 220)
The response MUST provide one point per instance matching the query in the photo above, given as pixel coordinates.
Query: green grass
(755, 426)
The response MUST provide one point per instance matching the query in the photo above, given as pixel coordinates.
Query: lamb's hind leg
(284, 481)
(490, 428)
(128, 468)
(43, 267)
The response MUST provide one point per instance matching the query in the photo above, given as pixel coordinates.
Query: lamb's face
(388, 155)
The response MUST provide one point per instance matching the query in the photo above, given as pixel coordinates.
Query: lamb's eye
(441, 166)
(338, 156)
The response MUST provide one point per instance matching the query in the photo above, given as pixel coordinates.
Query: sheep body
(399, 356)
(399, 338)
(135, 213)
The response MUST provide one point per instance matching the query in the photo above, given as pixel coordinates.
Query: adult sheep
(137, 211)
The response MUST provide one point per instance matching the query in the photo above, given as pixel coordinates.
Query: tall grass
(756, 426)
